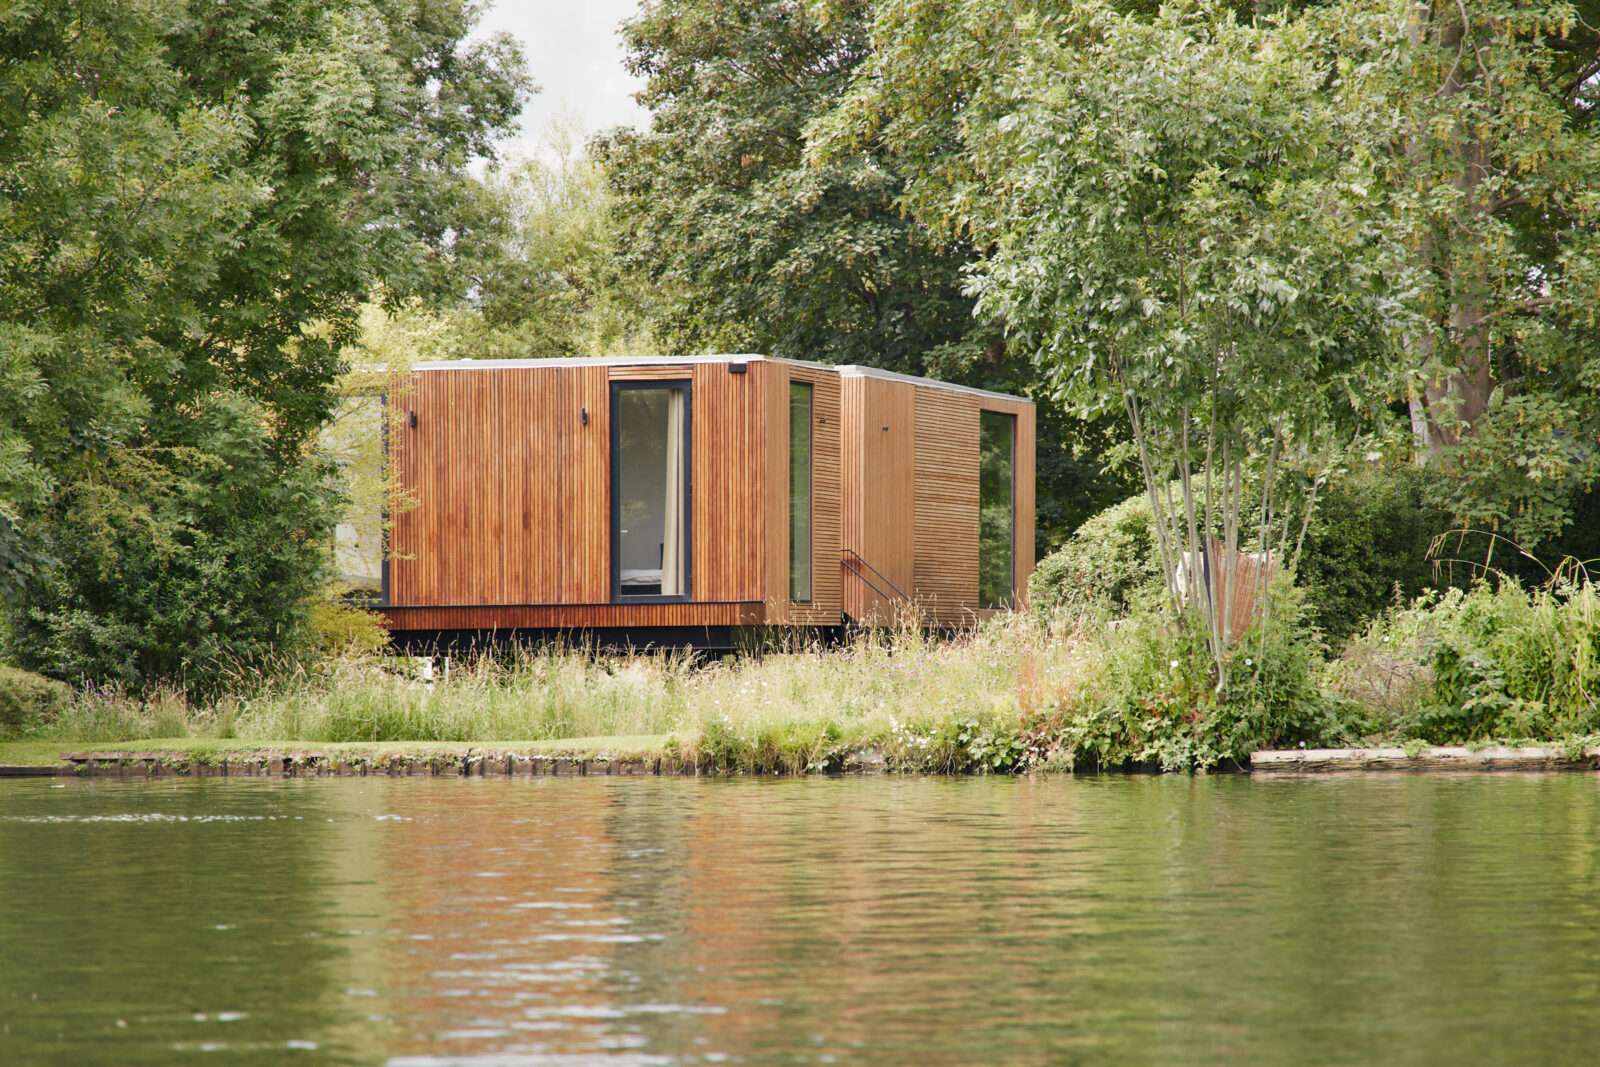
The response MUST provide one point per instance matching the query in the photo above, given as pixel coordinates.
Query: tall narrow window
(650, 489)
(800, 491)
(996, 509)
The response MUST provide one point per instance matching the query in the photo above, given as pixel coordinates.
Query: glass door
(650, 490)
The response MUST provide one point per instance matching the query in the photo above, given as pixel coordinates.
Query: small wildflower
(1248, 662)
(1174, 665)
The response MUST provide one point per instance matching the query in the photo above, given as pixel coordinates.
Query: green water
(1376, 919)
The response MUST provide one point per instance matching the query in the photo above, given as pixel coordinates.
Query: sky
(575, 55)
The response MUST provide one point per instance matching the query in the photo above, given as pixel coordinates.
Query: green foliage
(28, 700)
(179, 565)
(1148, 697)
(1523, 470)
(1367, 544)
(198, 196)
(740, 243)
(1109, 565)
(745, 246)
(339, 628)
(1479, 119)
(551, 284)
(1163, 231)
(1494, 661)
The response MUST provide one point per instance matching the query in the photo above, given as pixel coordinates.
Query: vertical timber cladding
(824, 605)
(879, 457)
(509, 489)
(946, 567)
(727, 482)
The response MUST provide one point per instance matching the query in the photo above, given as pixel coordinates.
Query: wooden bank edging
(311, 764)
(1433, 758)
(469, 763)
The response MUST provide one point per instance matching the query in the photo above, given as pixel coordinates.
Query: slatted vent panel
(946, 585)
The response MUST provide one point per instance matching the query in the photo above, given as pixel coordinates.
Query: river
(501, 922)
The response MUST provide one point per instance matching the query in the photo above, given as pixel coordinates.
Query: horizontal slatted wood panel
(651, 373)
(947, 448)
(575, 616)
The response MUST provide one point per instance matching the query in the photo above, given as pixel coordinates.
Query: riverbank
(646, 755)
(1014, 695)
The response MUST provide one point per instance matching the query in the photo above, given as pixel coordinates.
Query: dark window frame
(811, 491)
(1011, 582)
(613, 460)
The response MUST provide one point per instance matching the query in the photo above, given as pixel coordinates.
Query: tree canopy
(197, 198)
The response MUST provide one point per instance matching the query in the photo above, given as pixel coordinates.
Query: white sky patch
(574, 52)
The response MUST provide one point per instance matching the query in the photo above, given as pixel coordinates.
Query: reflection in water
(1325, 920)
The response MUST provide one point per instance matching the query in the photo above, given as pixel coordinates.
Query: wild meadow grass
(798, 700)
(1495, 662)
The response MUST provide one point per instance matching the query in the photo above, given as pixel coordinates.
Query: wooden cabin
(677, 500)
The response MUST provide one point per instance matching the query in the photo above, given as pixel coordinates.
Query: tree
(1481, 116)
(1478, 119)
(742, 243)
(747, 247)
(196, 199)
(546, 278)
(1171, 225)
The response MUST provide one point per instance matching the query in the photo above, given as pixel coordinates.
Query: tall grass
(803, 698)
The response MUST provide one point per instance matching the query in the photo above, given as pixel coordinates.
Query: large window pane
(651, 508)
(996, 509)
(799, 491)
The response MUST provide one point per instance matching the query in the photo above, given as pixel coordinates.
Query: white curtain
(672, 533)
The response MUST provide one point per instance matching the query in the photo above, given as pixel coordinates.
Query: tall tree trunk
(1451, 404)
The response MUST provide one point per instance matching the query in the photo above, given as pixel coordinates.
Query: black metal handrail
(854, 561)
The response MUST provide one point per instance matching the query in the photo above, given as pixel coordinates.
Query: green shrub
(1495, 661)
(28, 699)
(1147, 696)
(338, 627)
(1108, 565)
(1367, 542)
(1367, 546)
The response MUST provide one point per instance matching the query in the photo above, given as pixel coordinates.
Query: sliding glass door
(650, 490)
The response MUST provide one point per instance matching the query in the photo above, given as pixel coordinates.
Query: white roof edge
(582, 361)
(849, 370)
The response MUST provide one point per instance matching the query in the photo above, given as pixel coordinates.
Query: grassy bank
(1496, 664)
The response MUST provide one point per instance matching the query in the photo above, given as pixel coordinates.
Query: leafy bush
(1494, 661)
(1147, 696)
(1368, 540)
(1367, 545)
(28, 699)
(1108, 565)
(338, 627)
(176, 568)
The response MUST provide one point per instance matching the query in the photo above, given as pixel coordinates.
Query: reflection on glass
(799, 491)
(996, 509)
(651, 512)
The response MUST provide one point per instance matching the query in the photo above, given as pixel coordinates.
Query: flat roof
(848, 370)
